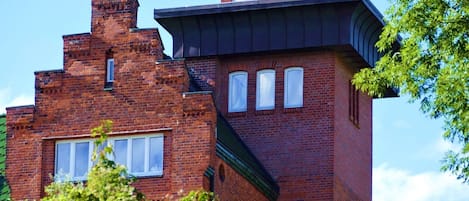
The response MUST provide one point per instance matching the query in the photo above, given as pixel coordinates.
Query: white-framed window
(237, 91)
(141, 154)
(110, 70)
(73, 159)
(293, 87)
(265, 90)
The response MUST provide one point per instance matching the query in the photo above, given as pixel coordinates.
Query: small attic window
(110, 70)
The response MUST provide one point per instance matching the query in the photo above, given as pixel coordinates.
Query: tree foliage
(106, 181)
(199, 195)
(431, 66)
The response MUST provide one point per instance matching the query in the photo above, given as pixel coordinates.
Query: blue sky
(407, 146)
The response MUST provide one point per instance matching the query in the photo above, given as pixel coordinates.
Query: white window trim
(110, 140)
(146, 171)
(258, 85)
(72, 159)
(110, 71)
(285, 99)
(230, 92)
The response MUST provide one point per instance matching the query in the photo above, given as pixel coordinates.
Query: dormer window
(110, 71)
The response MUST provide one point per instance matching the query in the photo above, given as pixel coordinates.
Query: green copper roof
(4, 188)
(234, 152)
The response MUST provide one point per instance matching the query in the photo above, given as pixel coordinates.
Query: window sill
(293, 110)
(147, 176)
(107, 88)
(236, 114)
(354, 122)
(265, 112)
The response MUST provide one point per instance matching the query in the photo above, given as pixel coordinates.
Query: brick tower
(280, 72)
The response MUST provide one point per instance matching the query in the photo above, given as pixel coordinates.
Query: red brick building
(255, 105)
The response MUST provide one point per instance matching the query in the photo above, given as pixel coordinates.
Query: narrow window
(237, 92)
(265, 90)
(353, 104)
(293, 87)
(110, 71)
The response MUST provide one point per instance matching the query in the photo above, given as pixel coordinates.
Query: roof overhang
(350, 27)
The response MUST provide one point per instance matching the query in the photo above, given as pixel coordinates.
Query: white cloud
(8, 100)
(392, 184)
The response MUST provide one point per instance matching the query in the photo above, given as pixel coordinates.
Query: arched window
(265, 90)
(293, 96)
(237, 91)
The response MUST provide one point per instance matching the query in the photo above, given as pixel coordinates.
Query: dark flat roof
(250, 5)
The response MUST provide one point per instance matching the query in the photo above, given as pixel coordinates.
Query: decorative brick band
(51, 90)
(171, 80)
(21, 127)
(140, 47)
(110, 6)
(194, 113)
(78, 53)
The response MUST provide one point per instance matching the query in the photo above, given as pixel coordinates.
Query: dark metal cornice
(275, 25)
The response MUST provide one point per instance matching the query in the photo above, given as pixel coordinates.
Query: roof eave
(238, 6)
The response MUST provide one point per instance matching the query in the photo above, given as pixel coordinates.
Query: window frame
(286, 104)
(70, 175)
(110, 70)
(110, 140)
(231, 92)
(258, 86)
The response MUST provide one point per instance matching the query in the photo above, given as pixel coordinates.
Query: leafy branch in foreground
(431, 67)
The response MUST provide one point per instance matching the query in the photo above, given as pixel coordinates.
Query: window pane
(138, 155)
(81, 158)
(156, 154)
(63, 159)
(110, 70)
(238, 92)
(294, 88)
(266, 89)
(100, 148)
(120, 151)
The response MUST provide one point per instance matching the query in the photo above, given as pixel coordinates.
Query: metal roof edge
(237, 7)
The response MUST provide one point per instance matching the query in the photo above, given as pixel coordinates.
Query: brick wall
(202, 71)
(234, 187)
(295, 145)
(147, 96)
(353, 143)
